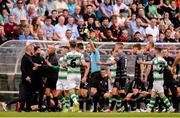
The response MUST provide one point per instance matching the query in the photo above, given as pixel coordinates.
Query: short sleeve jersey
(159, 64)
(73, 60)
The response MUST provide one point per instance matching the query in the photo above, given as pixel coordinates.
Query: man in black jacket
(38, 88)
(170, 80)
(27, 67)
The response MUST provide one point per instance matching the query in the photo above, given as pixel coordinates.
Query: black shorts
(138, 84)
(84, 85)
(119, 83)
(150, 81)
(51, 83)
(95, 79)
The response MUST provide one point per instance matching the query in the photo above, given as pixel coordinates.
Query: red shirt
(11, 30)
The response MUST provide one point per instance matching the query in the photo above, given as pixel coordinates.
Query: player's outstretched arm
(145, 62)
(177, 60)
(106, 63)
(87, 67)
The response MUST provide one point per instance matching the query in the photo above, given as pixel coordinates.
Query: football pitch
(87, 115)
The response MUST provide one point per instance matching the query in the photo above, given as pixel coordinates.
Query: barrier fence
(12, 51)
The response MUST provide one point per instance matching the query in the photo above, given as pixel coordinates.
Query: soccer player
(84, 74)
(158, 66)
(149, 73)
(72, 61)
(170, 79)
(138, 82)
(121, 77)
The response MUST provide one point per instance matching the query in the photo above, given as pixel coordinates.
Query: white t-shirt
(117, 8)
(153, 31)
(60, 30)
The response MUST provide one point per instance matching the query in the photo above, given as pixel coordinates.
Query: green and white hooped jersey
(159, 64)
(73, 60)
(62, 71)
(112, 68)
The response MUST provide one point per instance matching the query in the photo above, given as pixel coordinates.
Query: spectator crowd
(95, 20)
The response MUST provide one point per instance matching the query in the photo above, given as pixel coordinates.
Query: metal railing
(12, 51)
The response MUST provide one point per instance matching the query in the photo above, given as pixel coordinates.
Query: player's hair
(65, 47)
(138, 46)
(80, 46)
(120, 44)
(36, 48)
(158, 49)
(48, 17)
(151, 43)
(72, 44)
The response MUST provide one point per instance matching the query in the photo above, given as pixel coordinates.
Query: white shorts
(110, 85)
(75, 80)
(63, 85)
(158, 86)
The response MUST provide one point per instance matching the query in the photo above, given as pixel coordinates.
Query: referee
(95, 73)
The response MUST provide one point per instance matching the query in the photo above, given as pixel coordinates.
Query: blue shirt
(74, 30)
(108, 9)
(23, 37)
(71, 8)
(95, 57)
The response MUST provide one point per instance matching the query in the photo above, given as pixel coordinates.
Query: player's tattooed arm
(87, 67)
(106, 63)
(177, 60)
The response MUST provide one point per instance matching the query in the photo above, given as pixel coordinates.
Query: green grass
(88, 115)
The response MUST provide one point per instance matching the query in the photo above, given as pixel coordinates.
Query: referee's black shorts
(95, 79)
(51, 83)
(150, 81)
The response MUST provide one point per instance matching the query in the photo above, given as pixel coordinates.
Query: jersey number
(73, 63)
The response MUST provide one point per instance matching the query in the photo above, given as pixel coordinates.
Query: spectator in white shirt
(60, 28)
(68, 36)
(50, 6)
(121, 17)
(60, 5)
(19, 11)
(118, 6)
(138, 27)
(153, 29)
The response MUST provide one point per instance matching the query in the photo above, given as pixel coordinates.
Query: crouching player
(159, 64)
